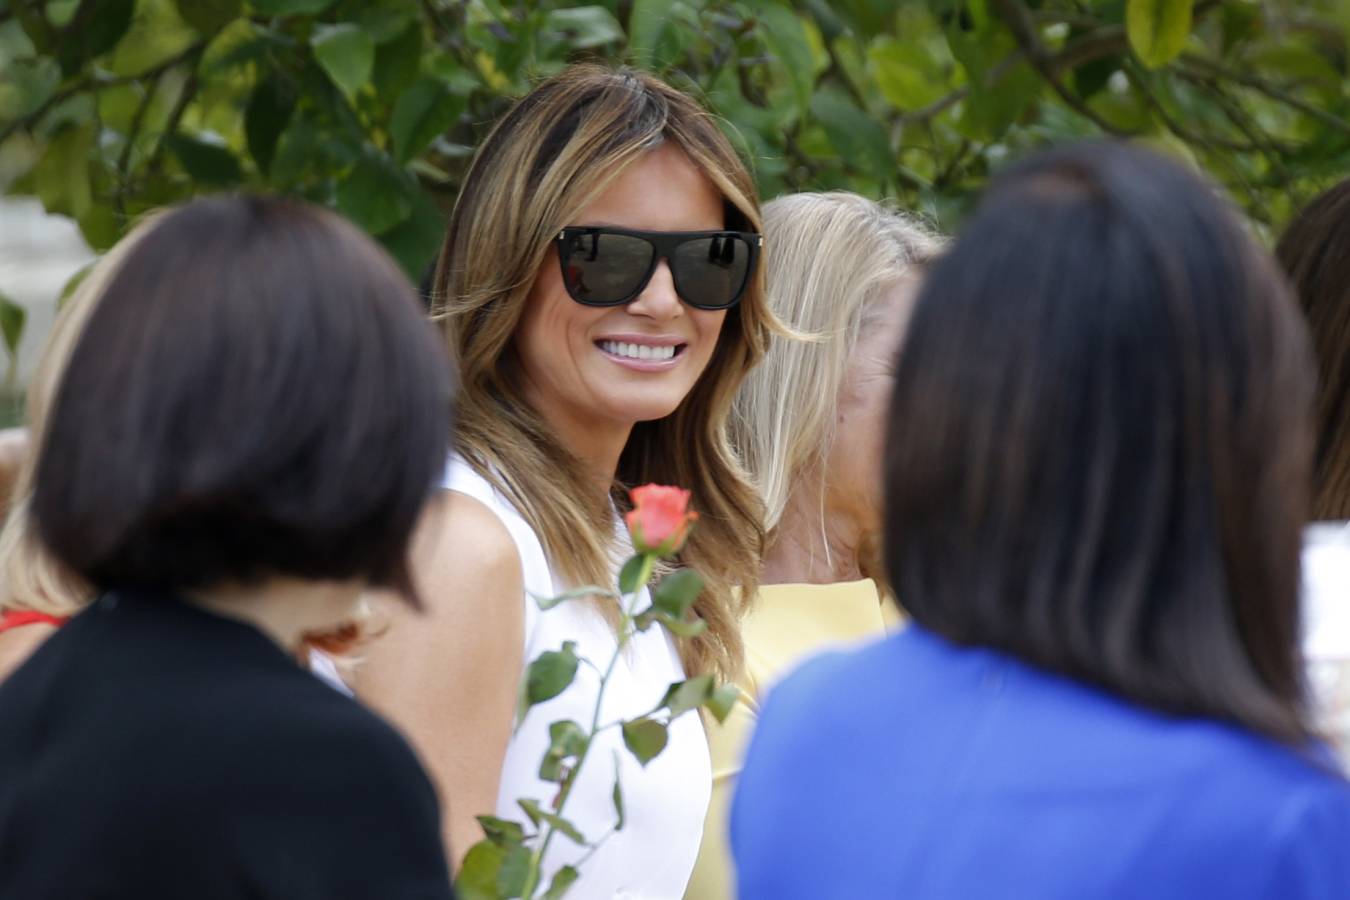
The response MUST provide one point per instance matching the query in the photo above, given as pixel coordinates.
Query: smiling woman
(599, 289)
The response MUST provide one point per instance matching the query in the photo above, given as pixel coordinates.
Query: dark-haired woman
(1095, 484)
(1315, 251)
(245, 433)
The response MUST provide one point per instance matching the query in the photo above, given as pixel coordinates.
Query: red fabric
(14, 618)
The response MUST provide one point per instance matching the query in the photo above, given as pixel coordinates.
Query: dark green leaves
(12, 319)
(347, 54)
(567, 742)
(548, 676)
(209, 16)
(646, 738)
(207, 163)
(630, 576)
(374, 195)
(269, 111)
(562, 880)
(290, 7)
(422, 114)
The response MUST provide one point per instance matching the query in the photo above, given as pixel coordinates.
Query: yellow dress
(788, 623)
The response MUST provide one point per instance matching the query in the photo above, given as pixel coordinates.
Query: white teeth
(638, 351)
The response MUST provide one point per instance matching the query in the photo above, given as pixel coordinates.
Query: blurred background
(109, 108)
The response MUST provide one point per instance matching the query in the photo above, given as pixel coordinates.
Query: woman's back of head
(255, 393)
(1100, 442)
(1315, 251)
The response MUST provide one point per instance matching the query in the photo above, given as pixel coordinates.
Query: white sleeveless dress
(665, 802)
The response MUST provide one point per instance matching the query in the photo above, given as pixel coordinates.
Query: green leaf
(268, 113)
(630, 573)
(566, 742)
(502, 832)
(61, 176)
(676, 593)
(585, 26)
(645, 738)
(12, 319)
(375, 195)
(532, 810)
(786, 40)
(478, 876)
(422, 114)
(95, 30)
(721, 700)
(208, 163)
(347, 54)
(290, 7)
(73, 282)
(617, 796)
(415, 241)
(514, 871)
(564, 826)
(1158, 29)
(25, 84)
(683, 627)
(100, 227)
(397, 62)
(908, 74)
(209, 16)
(548, 676)
(683, 696)
(563, 879)
(653, 40)
(858, 137)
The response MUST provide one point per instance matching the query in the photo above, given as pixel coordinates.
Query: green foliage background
(111, 107)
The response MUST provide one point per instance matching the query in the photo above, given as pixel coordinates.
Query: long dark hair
(1100, 440)
(1315, 251)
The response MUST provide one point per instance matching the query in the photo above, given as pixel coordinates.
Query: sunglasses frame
(664, 243)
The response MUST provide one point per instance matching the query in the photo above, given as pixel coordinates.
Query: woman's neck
(813, 542)
(284, 609)
(597, 448)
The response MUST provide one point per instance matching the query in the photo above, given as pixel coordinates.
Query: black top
(152, 749)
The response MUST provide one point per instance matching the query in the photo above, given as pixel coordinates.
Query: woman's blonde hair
(30, 577)
(828, 258)
(547, 159)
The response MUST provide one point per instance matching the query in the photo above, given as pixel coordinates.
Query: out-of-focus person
(1097, 468)
(1315, 252)
(246, 431)
(809, 425)
(37, 593)
(600, 292)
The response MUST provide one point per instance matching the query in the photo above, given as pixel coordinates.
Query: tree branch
(1272, 91)
(91, 83)
(1018, 19)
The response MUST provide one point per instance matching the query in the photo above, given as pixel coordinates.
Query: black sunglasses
(611, 266)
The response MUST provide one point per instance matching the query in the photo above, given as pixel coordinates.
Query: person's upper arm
(448, 677)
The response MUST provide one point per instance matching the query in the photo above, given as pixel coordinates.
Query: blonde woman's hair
(30, 578)
(546, 160)
(829, 258)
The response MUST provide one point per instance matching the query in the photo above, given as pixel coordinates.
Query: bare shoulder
(467, 572)
(17, 644)
(462, 555)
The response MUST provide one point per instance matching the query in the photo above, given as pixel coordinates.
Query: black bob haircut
(1099, 443)
(257, 392)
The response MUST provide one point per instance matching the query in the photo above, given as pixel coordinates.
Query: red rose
(660, 520)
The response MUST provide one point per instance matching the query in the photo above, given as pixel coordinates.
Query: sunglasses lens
(711, 272)
(604, 269)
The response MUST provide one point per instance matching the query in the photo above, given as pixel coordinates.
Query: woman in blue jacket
(1096, 475)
